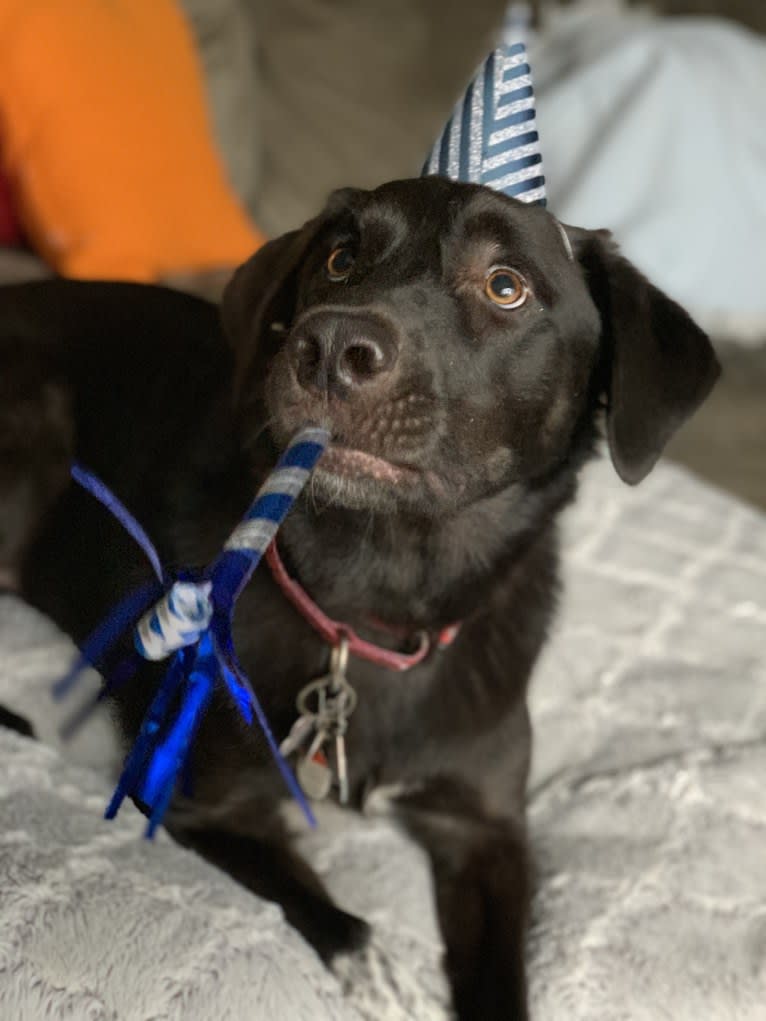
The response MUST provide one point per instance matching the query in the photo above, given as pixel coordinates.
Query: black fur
(485, 413)
(15, 722)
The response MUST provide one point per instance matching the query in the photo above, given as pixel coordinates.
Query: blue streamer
(107, 634)
(158, 759)
(93, 485)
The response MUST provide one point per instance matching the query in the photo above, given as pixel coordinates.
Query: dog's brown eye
(506, 287)
(340, 263)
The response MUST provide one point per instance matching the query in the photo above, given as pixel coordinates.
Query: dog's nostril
(362, 359)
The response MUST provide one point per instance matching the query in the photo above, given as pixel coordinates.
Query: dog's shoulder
(141, 362)
(123, 326)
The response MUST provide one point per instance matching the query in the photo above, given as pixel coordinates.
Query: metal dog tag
(324, 706)
(314, 775)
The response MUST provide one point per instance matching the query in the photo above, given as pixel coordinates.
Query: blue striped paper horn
(279, 492)
(491, 137)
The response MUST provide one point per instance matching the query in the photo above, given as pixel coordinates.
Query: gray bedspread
(647, 810)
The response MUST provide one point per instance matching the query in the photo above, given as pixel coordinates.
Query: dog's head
(456, 341)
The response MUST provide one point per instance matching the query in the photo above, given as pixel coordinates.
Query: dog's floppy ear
(659, 365)
(259, 300)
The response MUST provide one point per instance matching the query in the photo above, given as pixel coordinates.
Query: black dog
(461, 347)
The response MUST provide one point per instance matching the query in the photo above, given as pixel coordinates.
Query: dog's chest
(403, 726)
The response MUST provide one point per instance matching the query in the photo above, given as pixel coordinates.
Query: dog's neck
(408, 572)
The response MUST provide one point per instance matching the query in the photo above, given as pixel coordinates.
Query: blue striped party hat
(491, 137)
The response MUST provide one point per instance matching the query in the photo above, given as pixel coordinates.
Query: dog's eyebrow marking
(485, 225)
(384, 226)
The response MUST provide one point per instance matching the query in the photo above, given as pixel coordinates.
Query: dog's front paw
(335, 933)
(396, 976)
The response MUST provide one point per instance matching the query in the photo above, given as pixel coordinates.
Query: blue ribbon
(159, 754)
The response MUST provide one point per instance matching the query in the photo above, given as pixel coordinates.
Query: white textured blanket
(647, 810)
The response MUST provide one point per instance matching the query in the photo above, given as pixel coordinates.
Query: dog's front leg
(271, 869)
(482, 885)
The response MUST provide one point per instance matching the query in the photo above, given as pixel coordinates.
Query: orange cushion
(9, 228)
(106, 140)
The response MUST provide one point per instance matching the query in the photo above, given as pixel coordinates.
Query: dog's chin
(357, 494)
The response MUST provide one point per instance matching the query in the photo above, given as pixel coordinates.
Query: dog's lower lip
(344, 460)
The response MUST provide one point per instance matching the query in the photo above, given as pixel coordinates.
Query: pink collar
(332, 631)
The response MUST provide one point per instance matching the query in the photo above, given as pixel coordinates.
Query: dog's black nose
(341, 352)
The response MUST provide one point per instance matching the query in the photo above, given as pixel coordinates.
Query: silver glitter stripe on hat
(454, 137)
(513, 106)
(509, 86)
(475, 140)
(493, 163)
(516, 177)
(535, 195)
(508, 135)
